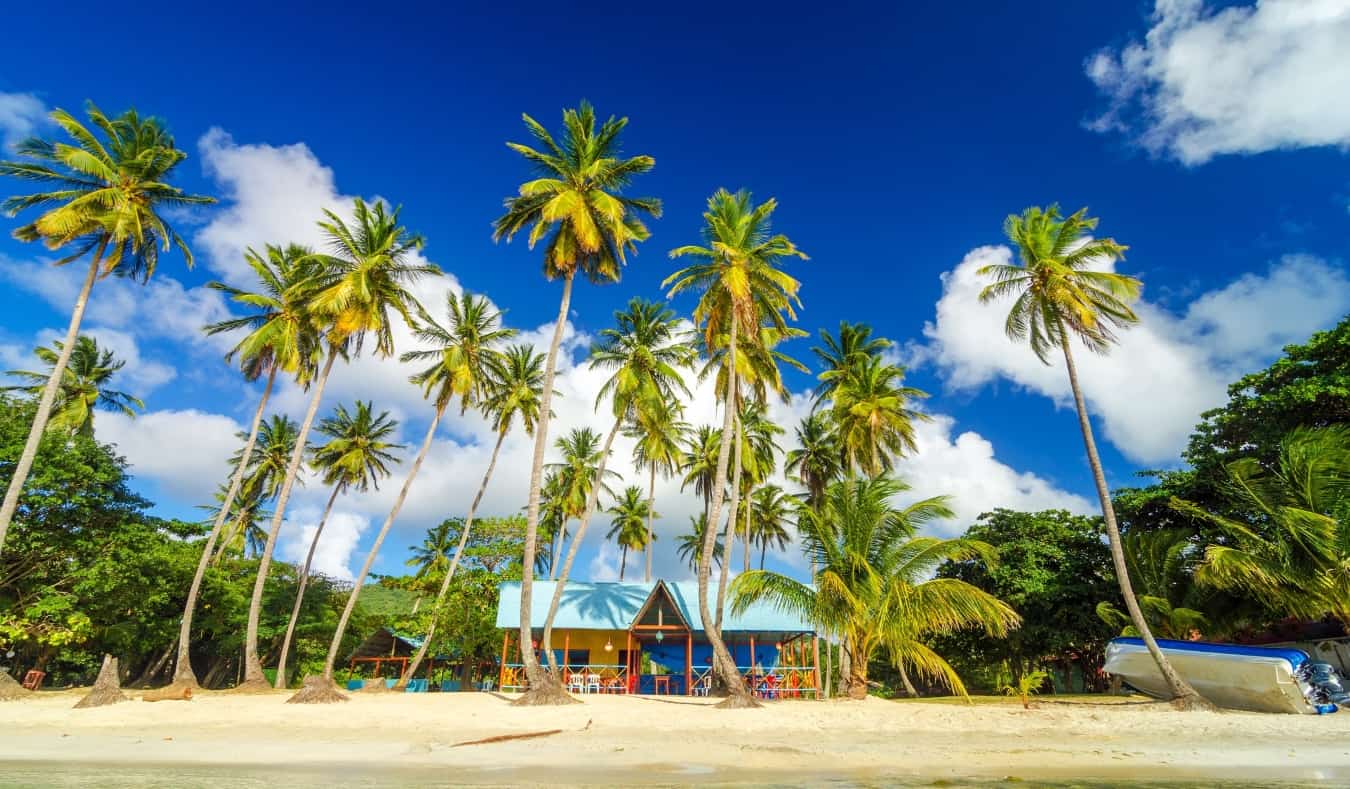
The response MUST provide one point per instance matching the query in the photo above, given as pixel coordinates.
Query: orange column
(752, 665)
(628, 663)
(689, 663)
(815, 648)
(567, 640)
(501, 669)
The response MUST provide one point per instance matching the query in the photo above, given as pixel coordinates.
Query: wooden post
(501, 669)
(567, 641)
(752, 665)
(815, 647)
(628, 663)
(689, 663)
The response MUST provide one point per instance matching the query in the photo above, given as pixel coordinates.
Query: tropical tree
(838, 355)
(514, 391)
(576, 207)
(772, 510)
(357, 455)
(689, 546)
(760, 460)
(276, 441)
(1160, 565)
(246, 536)
(741, 289)
(657, 431)
(870, 412)
(628, 529)
(107, 201)
(365, 278)
(817, 460)
(645, 350)
(1060, 294)
(699, 463)
(84, 386)
(571, 481)
(430, 559)
(873, 583)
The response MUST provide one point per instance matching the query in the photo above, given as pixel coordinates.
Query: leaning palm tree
(646, 350)
(263, 476)
(1059, 294)
(84, 386)
(576, 207)
(874, 423)
(772, 510)
(657, 431)
(628, 528)
(514, 391)
(874, 585)
(569, 485)
(108, 200)
(741, 289)
(357, 456)
(364, 283)
(281, 338)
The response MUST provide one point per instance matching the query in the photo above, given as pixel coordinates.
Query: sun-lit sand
(631, 740)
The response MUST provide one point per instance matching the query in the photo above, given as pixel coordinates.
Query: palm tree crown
(281, 334)
(358, 453)
(646, 352)
(874, 424)
(628, 529)
(817, 460)
(576, 473)
(515, 388)
(84, 386)
(463, 352)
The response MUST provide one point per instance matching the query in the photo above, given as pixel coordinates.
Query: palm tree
(873, 424)
(357, 456)
(572, 480)
(1160, 564)
(741, 290)
(576, 207)
(107, 199)
(817, 460)
(246, 512)
(628, 529)
(432, 557)
(690, 545)
(84, 386)
(760, 453)
(279, 337)
(874, 581)
(367, 276)
(1059, 296)
(514, 390)
(699, 462)
(657, 431)
(772, 509)
(838, 355)
(275, 443)
(646, 351)
(1295, 553)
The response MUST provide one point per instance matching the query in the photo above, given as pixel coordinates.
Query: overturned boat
(1260, 679)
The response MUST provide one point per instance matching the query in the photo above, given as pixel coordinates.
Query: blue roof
(614, 605)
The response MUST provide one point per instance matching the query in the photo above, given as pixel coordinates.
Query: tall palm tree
(431, 558)
(1058, 296)
(276, 441)
(817, 460)
(84, 386)
(646, 351)
(873, 422)
(837, 355)
(760, 460)
(689, 546)
(279, 337)
(699, 462)
(364, 279)
(772, 510)
(657, 431)
(874, 581)
(515, 384)
(741, 289)
(628, 529)
(246, 513)
(573, 478)
(577, 208)
(108, 197)
(357, 456)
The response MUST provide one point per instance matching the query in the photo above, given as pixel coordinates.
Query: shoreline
(410, 738)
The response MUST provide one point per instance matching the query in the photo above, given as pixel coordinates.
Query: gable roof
(614, 605)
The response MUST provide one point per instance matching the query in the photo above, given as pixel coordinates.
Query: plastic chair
(449, 686)
(576, 683)
(355, 684)
(703, 686)
(592, 683)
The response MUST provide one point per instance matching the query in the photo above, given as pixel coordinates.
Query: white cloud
(1244, 79)
(21, 114)
(1150, 390)
(185, 452)
(333, 554)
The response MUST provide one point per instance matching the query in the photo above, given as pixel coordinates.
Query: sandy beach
(410, 739)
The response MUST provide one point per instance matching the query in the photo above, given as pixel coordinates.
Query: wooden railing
(578, 678)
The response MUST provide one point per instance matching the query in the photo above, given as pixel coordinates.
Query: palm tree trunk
(557, 550)
(730, 539)
(856, 672)
(904, 681)
(411, 671)
(623, 562)
(543, 688)
(341, 631)
(723, 666)
(300, 591)
(592, 499)
(763, 548)
(182, 672)
(44, 406)
(651, 509)
(749, 508)
(253, 673)
(1184, 696)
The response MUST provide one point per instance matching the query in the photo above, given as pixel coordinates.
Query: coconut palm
(628, 529)
(108, 200)
(1060, 294)
(1295, 553)
(657, 432)
(646, 351)
(771, 510)
(431, 558)
(837, 355)
(741, 289)
(689, 546)
(279, 337)
(817, 460)
(84, 386)
(245, 517)
(572, 480)
(514, 390)
(873, 582)
(873, 423)
(275, 443)
(357, 456)
(364, 283)
(699, 462)
(760, 459)
(577, 208)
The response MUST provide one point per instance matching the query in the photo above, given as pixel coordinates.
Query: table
(661, 685)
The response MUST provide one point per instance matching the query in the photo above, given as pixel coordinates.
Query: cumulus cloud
(21, 115)
(1242, 79)
(337, 544)
(1150, 390)
(185, 452)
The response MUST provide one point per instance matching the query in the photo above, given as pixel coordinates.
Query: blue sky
(896, 139)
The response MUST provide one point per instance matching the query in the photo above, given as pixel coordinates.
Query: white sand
(630, 740)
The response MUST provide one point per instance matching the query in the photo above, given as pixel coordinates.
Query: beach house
(647, 638)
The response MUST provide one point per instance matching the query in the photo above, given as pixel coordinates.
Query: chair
(485, 686)
(576, 683)
(703, 686)
(769, 688)
(416, 686)
(33, 679)
(592, 683)
(449, 686)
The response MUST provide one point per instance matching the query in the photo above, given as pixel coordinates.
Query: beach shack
(647, 638)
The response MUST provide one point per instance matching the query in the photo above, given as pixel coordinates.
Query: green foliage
(1028, 685)
(84, 386)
